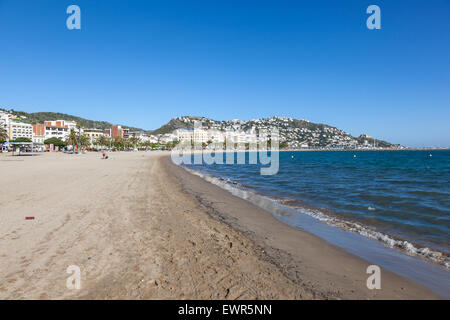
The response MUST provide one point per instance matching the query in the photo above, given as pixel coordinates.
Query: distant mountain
(296, 132)
(40, 117)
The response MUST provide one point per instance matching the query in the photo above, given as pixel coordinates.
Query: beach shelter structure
(20, 144)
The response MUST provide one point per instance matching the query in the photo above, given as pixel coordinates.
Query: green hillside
(40, 117)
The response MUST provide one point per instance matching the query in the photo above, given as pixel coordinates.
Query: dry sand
(140, 227)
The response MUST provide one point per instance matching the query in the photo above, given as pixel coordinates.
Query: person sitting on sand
(104, 155)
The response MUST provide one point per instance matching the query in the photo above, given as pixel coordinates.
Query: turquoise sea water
(398, 195)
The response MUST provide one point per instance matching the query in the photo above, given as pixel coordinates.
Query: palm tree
(103, 141)
(146, 144)
(79, 137)
(135, 141)
(84, 141)
(72, 139)
(3, 135)
(119, 143)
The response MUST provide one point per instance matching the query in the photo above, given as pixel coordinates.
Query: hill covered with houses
(295, 133)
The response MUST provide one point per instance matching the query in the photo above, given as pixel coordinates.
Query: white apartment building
(240, 137)
(20, 130)
(200, 136)
(61, 123)
(140, 135)
(166, 138)
(4, 121)
(93, 134)
(38, 139)
(183, 135)
(153, 139)
(216, 136)
(60, 129)
(194, 135)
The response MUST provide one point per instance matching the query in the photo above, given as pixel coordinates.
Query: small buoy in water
(292, 157)
(431, 155)
(354, 156)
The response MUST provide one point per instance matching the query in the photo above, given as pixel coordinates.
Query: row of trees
(120, 143)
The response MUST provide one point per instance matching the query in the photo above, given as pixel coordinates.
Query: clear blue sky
(141, 63)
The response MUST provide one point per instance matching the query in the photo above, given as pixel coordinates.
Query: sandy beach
(140, 227)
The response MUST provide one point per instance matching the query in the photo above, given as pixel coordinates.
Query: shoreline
(279, 241)
(428, 254)
(140, 227)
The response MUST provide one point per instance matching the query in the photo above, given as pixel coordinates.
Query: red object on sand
(29, 218)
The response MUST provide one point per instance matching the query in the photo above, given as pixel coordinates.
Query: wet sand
(140, 227)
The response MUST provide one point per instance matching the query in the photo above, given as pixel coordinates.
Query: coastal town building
(167, 138)
(93, 134)
(4, 121)
(153, 139)
(200, 136)
(107, 133)
(116, 132)
(20, 130)
(38, 133)
(191, 135)
(216, 136)
(142, 136)
(60, 129)
(182, 135)
(61, 124)
(125, 133)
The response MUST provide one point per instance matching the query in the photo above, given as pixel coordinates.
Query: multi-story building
(61, 124)
(93, 134)
(107, 133)
(60, 129)
(153, 139)
(200, 136)
(183, 135)
(38, 133)
(140, 135)
(216, 136)
(20, 130)
(4, 121)
(126, 133)
(166, 138)
(116, 132)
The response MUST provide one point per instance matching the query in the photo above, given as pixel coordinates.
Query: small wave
(427, 253)
(435, 256)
